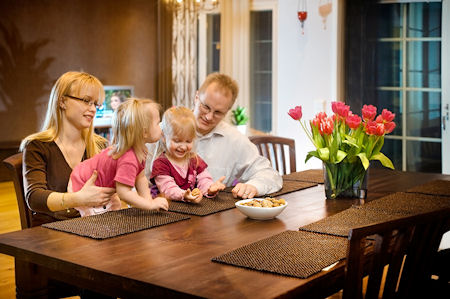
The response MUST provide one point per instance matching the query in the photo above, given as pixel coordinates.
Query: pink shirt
(124, 170)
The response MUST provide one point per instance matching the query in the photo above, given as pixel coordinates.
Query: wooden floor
(9, 221)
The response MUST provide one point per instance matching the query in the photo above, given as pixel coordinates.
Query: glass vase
(345, 180)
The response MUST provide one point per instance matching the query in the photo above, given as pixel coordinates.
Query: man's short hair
(224, 82)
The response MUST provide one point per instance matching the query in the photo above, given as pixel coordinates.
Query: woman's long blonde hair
(129, 123)
(177, 121)
(69, 83)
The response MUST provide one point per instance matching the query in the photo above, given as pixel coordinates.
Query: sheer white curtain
(184, 54)
(235, 45)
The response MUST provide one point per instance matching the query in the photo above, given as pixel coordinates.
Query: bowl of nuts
(261, 208)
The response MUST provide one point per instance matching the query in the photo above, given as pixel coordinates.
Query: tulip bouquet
(346, 143)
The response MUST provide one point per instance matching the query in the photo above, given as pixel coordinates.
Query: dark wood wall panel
(117, 41)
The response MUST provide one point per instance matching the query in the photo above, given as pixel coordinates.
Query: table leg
(31, 280)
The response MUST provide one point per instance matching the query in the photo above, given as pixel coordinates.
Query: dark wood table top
(175, 259)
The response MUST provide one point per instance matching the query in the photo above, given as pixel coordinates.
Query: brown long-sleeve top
(45, 171)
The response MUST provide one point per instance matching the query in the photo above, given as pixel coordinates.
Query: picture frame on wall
(114, 95)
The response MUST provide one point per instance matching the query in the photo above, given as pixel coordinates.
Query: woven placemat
(291, 186)
(115, 223)
(292, 253)
(223, 201)
(339, 224)
(438, 187)
(310, 175)
(408, 203)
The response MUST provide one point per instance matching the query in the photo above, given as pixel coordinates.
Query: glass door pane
(404, 53)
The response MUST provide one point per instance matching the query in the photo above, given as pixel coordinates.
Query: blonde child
(178, 170)
(135, 122)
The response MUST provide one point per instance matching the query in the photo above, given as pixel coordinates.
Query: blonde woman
(135, 122)
(65, 140)
(178, 171)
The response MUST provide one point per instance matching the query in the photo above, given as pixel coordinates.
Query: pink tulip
(296, 113)
(389, 127)
(315, 122)
(353, 121)
(369, 112)
(387, 115)
(379, 119)
(326, 126)
(375, 128)
(340, 109)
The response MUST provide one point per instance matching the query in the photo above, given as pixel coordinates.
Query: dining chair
(275, 149)
(14, 165)
(407, 246)
(57, 289)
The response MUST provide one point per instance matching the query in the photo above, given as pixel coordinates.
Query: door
(445, 87)
(395, 61)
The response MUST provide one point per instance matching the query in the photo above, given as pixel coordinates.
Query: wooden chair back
(273, 148)
(407, 245)
(14, 165)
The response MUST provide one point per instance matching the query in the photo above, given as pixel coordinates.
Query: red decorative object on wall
(302, 13)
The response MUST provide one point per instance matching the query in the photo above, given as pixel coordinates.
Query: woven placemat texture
(291, 186)
(339, 224)
(438, 187)
(115, 223)
(408, 203)
(310, 175)
(292, 253)
(223, 201)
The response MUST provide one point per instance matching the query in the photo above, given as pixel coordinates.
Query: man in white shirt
(226, 151)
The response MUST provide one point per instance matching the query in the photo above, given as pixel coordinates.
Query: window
(397, 66)
(213, 43)
(261, 70)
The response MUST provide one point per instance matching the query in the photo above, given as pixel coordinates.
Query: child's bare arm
(131, 197)
(142, 187)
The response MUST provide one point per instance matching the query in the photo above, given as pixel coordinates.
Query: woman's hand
(91, 195)
(189, 197)
(244, 191)
(216, 187)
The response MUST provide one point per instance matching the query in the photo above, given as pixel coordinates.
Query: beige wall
(39, 40)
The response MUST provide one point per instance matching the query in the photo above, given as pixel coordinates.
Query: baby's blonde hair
(178, 121)
(129, 123)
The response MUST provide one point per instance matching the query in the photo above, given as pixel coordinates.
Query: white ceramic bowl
(259, 213)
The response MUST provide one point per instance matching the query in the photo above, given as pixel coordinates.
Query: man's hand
(244, 191)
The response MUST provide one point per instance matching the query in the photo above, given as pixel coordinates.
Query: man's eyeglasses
(206, 109)
(86, 101)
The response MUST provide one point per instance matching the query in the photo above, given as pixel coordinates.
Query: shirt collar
(218, 130)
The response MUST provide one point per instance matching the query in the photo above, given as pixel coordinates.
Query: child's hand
(194, 198)
(216, 187)
(160, 203)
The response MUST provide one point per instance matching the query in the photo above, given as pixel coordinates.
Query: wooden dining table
(174, 260)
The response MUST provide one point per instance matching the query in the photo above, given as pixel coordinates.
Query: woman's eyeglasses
(86, 101)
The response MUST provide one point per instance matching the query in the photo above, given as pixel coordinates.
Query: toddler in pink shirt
(135, 122)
